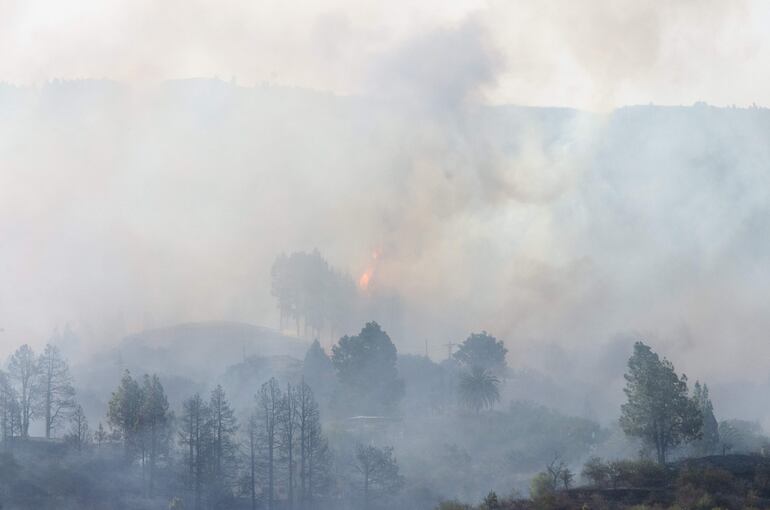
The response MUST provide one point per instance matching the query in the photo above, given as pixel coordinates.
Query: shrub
(711, 480)
(693, 498)
(541, 486)
(452, 505)
(597, 472)
(641, 473)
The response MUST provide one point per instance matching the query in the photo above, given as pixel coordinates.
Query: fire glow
(365, 280)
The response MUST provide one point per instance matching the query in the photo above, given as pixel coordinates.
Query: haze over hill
(407, 255)
(545, 226)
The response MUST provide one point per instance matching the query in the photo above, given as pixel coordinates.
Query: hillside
(712, 482)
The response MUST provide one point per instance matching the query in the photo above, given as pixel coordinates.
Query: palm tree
(478, 389)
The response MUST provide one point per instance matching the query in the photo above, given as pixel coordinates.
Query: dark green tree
(154, 423)
(366, 368)
(318, 373)
(195, 438)
(659, 409)
(124, 414)
(483, 350)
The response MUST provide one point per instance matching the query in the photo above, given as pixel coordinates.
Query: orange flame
(366, 278)
(363, 282)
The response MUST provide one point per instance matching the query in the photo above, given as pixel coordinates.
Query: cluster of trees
(366, 367)
(140, 416)
(273, 454)
(312, 294)
(661, 412)
(285, 436)
(36, 386)
(280, 450)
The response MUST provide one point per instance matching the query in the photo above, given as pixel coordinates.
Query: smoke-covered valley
(384, 278)
(557, 230)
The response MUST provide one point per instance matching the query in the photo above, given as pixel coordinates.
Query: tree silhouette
(23, 370)
(484, 351)
(379, 472)
(659, 409)
(366, 368)
(56, 391)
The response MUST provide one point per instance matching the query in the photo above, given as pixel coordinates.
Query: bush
(762, 480)
(541, 486)
(710, 479)
(694, 498)
(597, 472)
(452, 505)
(640, 473)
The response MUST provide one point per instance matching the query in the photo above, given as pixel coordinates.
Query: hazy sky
(590, 55)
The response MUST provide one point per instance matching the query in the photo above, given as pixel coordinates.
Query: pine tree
(124, 414)
(708, 444)
(659, 409)
(224, 426)
(155, 420)
(57, 393)
(195, 437)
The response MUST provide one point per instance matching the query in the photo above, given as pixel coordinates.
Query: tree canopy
(366, 368)
(659, 409)
(483, 350)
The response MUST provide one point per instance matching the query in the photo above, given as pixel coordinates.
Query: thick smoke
(125, 207)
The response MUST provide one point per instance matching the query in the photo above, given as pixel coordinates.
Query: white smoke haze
(590, 55)
(148, 199)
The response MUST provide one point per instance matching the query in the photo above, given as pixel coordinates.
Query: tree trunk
(253, 488)
(270, 474)
(48, 409)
